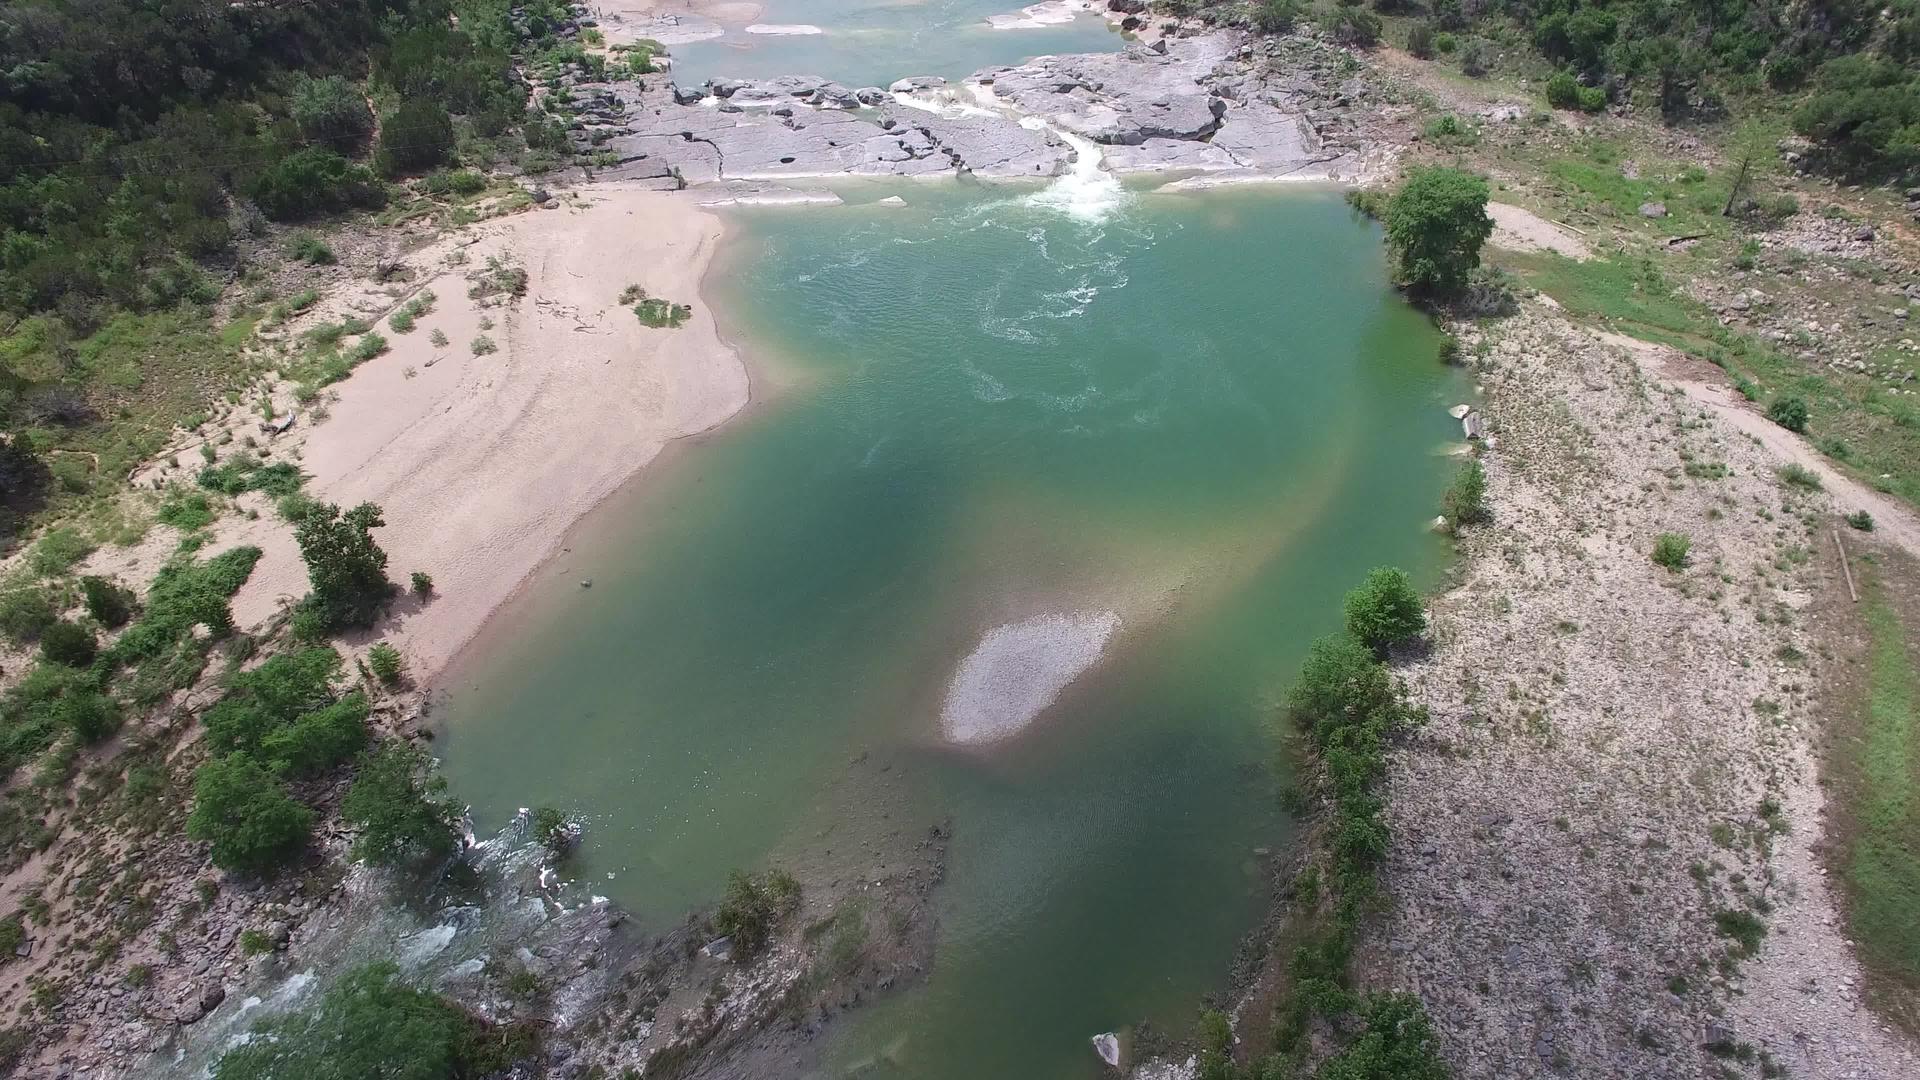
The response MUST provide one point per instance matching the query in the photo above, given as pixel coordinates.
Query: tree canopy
(1436, 224)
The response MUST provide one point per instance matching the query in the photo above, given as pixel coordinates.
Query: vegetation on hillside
(140, 169)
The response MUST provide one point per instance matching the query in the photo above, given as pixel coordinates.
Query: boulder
(915, 82)
(1653, 210)
(1128, 7)
(688, 95)
(870, 95)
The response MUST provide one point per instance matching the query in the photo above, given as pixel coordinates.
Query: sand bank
(1017, 670)
(481, 463)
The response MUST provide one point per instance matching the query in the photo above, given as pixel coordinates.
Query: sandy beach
(482, 463)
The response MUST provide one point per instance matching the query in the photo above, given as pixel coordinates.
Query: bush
(1672, 550)
(1352, 26)
(69, 643)
(753, 908)
(270, 696)
(555, 833)
(1565, 92)
(88, 713)
(422, 584)
(1436, 225)
(1466, 498)
(1450, 350)
(25, 611)
(371, 1023)
(401, 810)
(57, 551)
(1473, 58)
(329, 110)
(1445, 43)
(1420, 41)
(254, 826)
(417, 136)
(1794, 475)
(1396, 1044)
(1866, 110)
(1861, 520)
(313, 181)
(1276, 16)
(1385, 609)
(317, 741)
(385, 662)
(1789, 413)
(185, 510)
(109, 604)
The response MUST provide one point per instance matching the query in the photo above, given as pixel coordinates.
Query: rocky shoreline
(1213, 104)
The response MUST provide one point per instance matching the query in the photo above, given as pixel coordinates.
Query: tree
(1276, 16)
(1436, 224)
(260, 702)
(255, 827)
(1384, 608)
(348, 570)
(400, 807)
(1752, 153)
(1340, 681)
(319, 740)
(109, 604)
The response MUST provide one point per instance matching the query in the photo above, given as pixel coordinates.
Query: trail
(1893, 521)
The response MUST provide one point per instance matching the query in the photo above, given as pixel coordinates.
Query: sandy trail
(481, 463)
(1519, 229)
(1892, 520)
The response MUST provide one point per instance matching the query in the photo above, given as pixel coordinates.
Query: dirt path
(1893, 521)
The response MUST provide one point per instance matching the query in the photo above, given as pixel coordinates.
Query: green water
(1207, 414)
(874, 42)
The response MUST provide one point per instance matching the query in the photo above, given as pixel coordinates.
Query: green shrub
(481, 345)
(317, 741)
(1794, 475)
(1672, 550)
(1466, 498)
(330, 110)
(1450, 350)
(1351, 26)
(752, 910)
(244, 472)
(1385, 608)
(1789, 413)
(271, 696)
(309, 249)
(313, 181)
(57, 551)
(1473, 58)
(1565, 92)
(88, 713)
(254, 943)
(554, 831)
(1451, 131)
(385, 662)
(25, 611)
(662, 314)
(185, 510)
(401, 810)
(109, 604)
(1420, 41)
(186, 594)
(371, 1023)
(68, 643)
(254, 826)
(1396, 1044)
(1861, 520)
(422, 584)
(1445, 43)
(1276, 16)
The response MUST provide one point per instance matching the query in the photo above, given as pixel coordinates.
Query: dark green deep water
(1207, 413)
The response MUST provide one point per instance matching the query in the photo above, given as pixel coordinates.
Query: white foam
(1037, 16)
(1087, 192)
(1017, 671)
(416, 949)
(785, 29)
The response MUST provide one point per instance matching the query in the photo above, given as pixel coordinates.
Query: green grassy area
(1883, 867)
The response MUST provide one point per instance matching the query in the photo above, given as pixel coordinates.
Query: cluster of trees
(284, 720)
(1348, 705)
(1855, 64)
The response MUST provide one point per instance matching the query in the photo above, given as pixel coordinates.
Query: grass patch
(1882, 862)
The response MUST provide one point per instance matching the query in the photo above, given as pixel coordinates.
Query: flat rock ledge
(1212, 107)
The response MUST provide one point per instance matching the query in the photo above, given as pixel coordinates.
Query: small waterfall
(1088, 192)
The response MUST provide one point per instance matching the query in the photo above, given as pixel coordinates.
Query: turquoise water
(874, 42)
(1207, 414)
